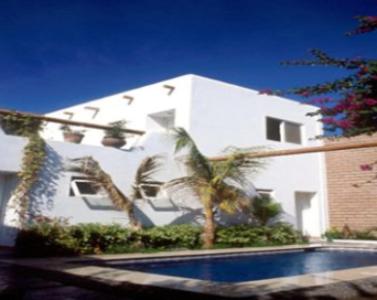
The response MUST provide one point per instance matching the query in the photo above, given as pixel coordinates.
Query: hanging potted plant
(72, 136)
(114, 136)
(21, 125)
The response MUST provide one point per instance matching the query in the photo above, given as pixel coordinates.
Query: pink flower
(366, 167)
(304, 93)
(320, 100)
(370, 102)
(371, 19)
(344, 124)
(328, 120)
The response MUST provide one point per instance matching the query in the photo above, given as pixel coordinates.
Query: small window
(273, 129)
(283, 131)
(84, 187)
(266, 192)
(162, 120)
(292, 133)
(149, 190)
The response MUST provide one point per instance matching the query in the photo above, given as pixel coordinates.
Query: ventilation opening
(162, 120)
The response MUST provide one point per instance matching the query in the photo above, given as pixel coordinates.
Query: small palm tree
(218, 184)
(265, 209)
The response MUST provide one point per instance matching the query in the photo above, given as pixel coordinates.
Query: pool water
(256, 266)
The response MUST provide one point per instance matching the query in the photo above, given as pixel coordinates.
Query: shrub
(264, 209)
(56, 237)
(46, 238)
(249, 236)
(171, 236)
(367, 234)
(97, 238)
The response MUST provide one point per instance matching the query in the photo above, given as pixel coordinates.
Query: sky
(55, 54)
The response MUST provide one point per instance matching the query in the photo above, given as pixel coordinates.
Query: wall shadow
(44, 190)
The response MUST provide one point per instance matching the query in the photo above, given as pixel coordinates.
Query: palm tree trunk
(92, 169)
(209, 227)
(121, 201)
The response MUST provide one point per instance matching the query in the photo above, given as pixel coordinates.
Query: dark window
(81, 186)
(292, 133)
(273, 129)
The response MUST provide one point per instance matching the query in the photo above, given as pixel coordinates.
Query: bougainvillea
(349, 104)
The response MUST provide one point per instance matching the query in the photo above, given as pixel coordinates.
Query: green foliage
(32, 162)
(172, 236)
(251, 236)
(116, 130)
(367, 234)
(55, 237)
(20, 125)
(47, 238)
(264, 209)
(96, 238)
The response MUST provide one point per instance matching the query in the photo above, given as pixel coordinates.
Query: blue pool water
(254, 267)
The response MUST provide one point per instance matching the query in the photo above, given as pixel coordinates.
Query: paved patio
(17, 285)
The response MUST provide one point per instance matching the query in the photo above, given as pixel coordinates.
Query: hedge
(56, 239)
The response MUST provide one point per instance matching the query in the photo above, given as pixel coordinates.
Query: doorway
(307, 213)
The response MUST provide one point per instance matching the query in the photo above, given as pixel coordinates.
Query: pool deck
(78, 270)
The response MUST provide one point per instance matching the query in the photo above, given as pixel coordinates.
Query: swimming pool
(248, 267)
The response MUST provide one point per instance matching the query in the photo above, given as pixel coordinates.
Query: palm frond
(231, 199)
(147, 168)
(144, 174)
(191, 185)
(238, 168)
(196, 162)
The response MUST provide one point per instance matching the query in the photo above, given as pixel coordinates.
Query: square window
(267, 192)
(273, 129)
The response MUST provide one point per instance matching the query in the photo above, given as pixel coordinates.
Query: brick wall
(350, 204)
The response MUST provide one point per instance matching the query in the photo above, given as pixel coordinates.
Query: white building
(216, 114)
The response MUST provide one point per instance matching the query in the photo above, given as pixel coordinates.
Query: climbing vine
(33, 158)
(32, 162)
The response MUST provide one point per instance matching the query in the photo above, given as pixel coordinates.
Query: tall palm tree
(218, 184)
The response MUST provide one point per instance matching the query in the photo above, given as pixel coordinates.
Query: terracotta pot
(73, 137)
(113, 142)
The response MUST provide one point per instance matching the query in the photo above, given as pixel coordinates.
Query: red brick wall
(348, 204)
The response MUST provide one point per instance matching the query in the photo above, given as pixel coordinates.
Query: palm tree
(218, 184)
(147, 168)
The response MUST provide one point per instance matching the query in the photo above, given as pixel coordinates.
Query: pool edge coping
(112, 277)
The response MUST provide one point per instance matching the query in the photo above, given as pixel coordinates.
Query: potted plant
(20, 125)
(72, 136)
(114, 136)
